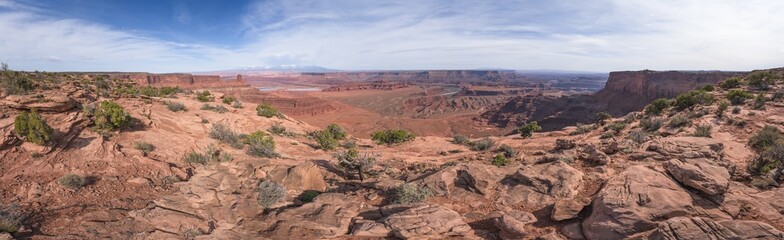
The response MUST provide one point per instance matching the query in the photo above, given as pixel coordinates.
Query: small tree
(657, 106)
(337, 132)
(325, 140)
(111, 116)
(737, 96)
(730, 83)
(528, 129)
(601, 117)
(761, 79)
(33, 128)
(351, 162)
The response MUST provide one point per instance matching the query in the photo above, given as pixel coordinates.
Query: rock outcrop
(633, 202)
(684, 228)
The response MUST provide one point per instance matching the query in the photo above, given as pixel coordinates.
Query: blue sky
(184, 36)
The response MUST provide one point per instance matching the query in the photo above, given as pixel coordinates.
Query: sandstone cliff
(624, 92)
(182, 80)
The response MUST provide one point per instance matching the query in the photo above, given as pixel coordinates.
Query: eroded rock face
(633, 202)
(687, 148)
(684, 228)
(328, 216)
(564, 209)
(700, 174)
(42, 103)
(423, 221)
(541, 184)
(594, 156)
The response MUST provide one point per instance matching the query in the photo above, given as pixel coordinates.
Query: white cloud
(345, 34)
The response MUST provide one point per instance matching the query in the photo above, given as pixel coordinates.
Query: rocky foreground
(648, 175)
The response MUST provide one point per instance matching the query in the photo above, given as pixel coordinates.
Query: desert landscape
(391, 120)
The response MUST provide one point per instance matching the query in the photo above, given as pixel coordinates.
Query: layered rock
(684, 228)
(541, 184)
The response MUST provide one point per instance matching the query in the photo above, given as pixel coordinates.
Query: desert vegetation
(33, 128)
(392, 136)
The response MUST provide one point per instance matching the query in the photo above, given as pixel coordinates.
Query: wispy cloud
(423, 34)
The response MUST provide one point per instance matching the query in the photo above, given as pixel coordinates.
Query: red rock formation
(182, 80)
(624, 92)
(377, 85)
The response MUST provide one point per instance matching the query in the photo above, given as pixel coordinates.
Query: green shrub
(260, 145)
(765, 138)
(606, 135)
(270, 193)
(761, 79)
(730, 83)
(651, 124)
(336, 131)
(197, 158)
(11, 218)
(325, 140)
(500, 160)
(679, 121)
(528, 129)
(111, 116)
(723, 105)
(175, 106)
(216, 108)
(483, 144)
(392, 136)
(266, 110)
(692, 98)
(156, 92)
(408, 193)
(759, 101)
(33, 128)
(460, 139)
(770, 158)
(737, 96)
(703, 130)
(736, 110)
(308, 195)
(507, 150)
(352, 162)
(583, 128)
(601, 117)
(228, 99)
(14, 83)
(637, 136)
(213, 153)
(616, 126)
(707, 88)
(657, 106)
(226, 135)
(144, 147)
(205, 96)
(73, 181)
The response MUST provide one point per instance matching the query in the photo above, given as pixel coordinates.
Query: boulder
(513, 223)
(424, 221)
(687, 148)
(476, 178)
(369, 228)
(700, 174)
(594, 156)
(563, 144)
(304, 176)
(633, 202)
(685, 228)
(539, 185)
(564, 209)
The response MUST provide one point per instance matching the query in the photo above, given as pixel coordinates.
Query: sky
(200, 35)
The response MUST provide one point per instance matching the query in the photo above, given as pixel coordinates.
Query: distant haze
(193, 36)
